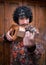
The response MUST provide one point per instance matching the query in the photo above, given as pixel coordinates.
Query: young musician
(24, 51)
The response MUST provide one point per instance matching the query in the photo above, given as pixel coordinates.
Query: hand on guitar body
(12, 32)
(19, 31)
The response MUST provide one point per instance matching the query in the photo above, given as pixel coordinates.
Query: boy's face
(23, 21)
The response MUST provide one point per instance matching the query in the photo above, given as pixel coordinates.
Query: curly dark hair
(27, 11)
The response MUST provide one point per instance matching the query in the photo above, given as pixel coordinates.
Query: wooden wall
(6, 20)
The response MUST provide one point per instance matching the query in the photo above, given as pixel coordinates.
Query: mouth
(23, 24)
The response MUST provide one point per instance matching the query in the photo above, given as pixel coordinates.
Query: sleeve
(31, 49)
(32, 29)
(39, 51)
(5, 38)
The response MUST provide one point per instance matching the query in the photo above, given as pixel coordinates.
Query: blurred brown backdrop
(7, 8)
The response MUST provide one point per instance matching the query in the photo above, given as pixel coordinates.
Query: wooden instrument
(17, 32)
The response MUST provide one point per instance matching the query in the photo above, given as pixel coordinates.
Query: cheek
(21, 21)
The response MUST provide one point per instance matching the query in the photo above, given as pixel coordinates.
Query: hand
(9, 37)
(29, 39)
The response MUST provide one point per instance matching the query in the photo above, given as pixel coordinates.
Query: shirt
(21, 54)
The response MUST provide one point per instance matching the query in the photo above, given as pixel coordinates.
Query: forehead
(23, 18)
